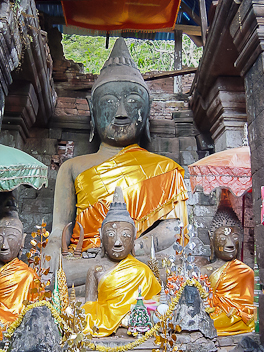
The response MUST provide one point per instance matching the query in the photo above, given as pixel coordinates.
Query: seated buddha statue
(232, 281)
(153, 185)
(112, 286)
(16, 278)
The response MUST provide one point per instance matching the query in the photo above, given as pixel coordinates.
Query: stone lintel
(247, 31)
(72, 122)
(163, 128)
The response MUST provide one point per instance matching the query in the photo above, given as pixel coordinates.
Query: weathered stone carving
(190, 314)
(37, 332)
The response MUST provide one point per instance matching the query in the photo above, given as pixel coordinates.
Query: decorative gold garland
(92, 346)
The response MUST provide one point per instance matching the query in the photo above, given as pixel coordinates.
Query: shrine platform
(194, 342)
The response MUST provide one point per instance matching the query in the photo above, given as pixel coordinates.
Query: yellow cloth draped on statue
(152, 185)
(233, 296)
(16, 282)
(117, 290)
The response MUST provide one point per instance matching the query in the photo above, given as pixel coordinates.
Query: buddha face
(11, 241)
(226, 242)
(120, 111)
(118, 239)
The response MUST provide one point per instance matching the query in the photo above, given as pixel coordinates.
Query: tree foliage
(149, 55)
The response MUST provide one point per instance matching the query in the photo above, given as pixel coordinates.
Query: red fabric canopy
(230, 169)
(106, 15)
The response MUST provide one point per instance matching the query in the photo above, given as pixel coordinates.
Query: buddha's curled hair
(225, 216)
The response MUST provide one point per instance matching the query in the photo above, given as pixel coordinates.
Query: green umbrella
(19, 168)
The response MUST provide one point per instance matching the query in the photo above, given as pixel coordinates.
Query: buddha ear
(147, 124)
(212, 256)
(133, 251)
(92, 124)
(147, 130)
(240, 248)
(23, 240)
(133, 248)
(102, 246)
(22, 244)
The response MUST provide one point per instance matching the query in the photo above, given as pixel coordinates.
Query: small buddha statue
(153, 185)
(232, 281)
(112, 286)
(16, 278)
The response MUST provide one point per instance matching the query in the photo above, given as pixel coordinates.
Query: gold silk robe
(233, 296)
(16, 281)
(152, 185)
(117, 290)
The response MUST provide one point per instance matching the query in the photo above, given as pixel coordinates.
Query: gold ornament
(63, 288)
(154, 266)
(72, 296)
(153, 262)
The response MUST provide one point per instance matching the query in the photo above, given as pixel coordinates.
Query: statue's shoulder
(78, 164)
(242, 266)
(138, 264)
(21, 269)
(213, 268)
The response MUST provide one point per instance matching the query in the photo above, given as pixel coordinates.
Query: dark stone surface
(37, 333)
(203, 235)
(162, 144)
(207, 199)
(256, 131)
(248, 345)
(188, 143)
(34, 147)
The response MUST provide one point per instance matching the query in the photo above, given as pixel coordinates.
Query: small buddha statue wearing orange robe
(16, 278)
(112, 286)
(232, 281)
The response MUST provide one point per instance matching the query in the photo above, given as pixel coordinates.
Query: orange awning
(106, 15)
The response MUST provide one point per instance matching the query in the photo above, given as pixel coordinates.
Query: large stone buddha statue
(16, 279)
(153, 185)
(232, 280)
(112, 286)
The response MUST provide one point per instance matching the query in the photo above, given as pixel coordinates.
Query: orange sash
(233, 287)
(16, 281)
(153, 189)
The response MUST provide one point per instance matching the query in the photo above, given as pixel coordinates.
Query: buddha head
(226, 234)
(8, 205)
(120, 101)
(118, 230)
(11, 238)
